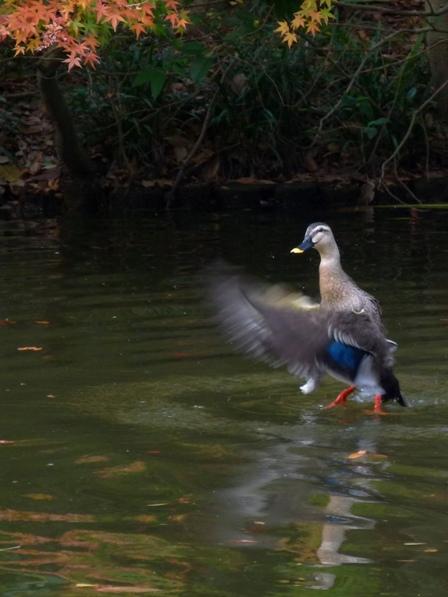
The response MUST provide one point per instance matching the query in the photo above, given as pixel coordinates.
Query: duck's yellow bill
(296, 250)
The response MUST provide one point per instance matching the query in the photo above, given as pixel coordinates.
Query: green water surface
(140, 455)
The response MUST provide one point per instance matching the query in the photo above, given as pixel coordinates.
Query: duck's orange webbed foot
(377, 407)
(341, 398)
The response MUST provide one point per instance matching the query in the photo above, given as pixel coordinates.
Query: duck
(342, 335)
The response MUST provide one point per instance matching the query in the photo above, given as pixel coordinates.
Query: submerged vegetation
(354, 99)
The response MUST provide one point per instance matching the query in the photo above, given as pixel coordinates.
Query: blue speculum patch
(346, 358)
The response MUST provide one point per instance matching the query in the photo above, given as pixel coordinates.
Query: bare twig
(410, 128)
(427, 147)
(394, 11)
(384, 186)
(402, 183)
(180, 174)
(351, 84)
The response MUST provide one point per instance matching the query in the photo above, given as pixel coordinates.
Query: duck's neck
(330, 275)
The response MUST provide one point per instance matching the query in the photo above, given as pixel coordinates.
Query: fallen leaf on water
(6, 322)
(431, 550)
(358, 454)
(125, 589)
(43, 497)
(243, 541)
(366, 453)
(127, 469)
(42, 322)
(91, 459)
(177, 518)
(146, 518)
(116, 588)
(6, 442)
(414, 543)
(10, 515)
(29, 348)
(158, 504)
(153, 452)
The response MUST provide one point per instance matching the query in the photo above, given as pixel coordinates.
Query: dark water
(140, 455)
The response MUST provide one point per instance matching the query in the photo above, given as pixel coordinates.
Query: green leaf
(200, 67)
(156, 77)
(378, 122)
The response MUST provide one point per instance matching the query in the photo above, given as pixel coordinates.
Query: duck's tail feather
(391, 387)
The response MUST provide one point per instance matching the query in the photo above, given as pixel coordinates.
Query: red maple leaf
(173, 19)
(114, 18)
(73, 60)
(138, 29)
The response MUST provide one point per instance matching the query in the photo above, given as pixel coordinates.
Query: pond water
(140, 454)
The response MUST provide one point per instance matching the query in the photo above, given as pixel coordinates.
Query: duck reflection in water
(278, 490)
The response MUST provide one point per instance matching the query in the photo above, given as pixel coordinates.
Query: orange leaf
(358, 454)
(125, 589)
(146, 518)
(40, 497)
(72, 61)
(91, 459)
(367, 454)
(6, 322)
(29, 348)
(114, 19)
(128, 469)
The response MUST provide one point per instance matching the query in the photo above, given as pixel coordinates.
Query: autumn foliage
(310, 17)
(78, 27)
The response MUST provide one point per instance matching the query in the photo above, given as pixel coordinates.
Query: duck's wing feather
(286, 329)
(268, 323)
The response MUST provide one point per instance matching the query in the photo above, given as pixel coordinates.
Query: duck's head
(317, 236)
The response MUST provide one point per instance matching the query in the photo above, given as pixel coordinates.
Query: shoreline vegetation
(227, 115)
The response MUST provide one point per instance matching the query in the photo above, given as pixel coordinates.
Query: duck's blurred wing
(269, 322)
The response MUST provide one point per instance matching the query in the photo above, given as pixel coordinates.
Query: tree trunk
(437, 43)
(80, 192)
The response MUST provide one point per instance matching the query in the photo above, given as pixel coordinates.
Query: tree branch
(393, 11)
(409, 129)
